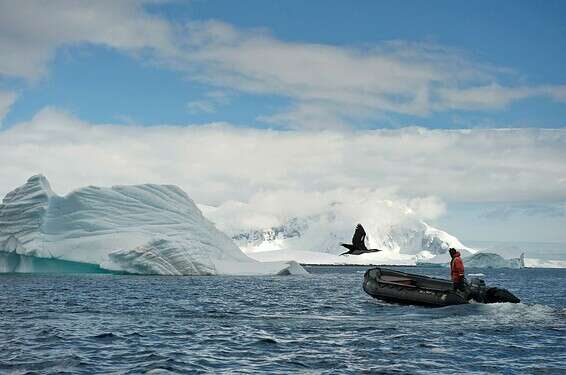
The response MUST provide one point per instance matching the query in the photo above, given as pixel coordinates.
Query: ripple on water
(323, 323)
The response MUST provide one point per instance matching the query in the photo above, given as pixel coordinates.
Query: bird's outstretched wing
(358, 246)
(359, 233)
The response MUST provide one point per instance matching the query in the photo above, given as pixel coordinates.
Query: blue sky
(302, 67)
(524, 40)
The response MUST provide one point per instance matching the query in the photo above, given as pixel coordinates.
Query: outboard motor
(479, 291)
(477, 287)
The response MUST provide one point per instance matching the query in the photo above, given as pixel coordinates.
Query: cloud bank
(218, 162)
(338, 208)
(31, 31)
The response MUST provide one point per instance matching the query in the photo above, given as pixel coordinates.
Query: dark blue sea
(318, 324)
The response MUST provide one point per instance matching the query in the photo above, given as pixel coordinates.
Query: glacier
(141, 229)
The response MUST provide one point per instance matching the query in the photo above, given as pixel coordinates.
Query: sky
(461, 105)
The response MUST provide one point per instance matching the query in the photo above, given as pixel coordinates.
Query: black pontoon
(406, 288)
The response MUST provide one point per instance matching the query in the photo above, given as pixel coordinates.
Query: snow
(315, 238)
(157, 229)
(479, 260)
(313, 257)
(544, 263)
(492, 260)
(392, 226)
(145, 229)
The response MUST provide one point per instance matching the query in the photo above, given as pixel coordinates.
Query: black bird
(358, 245)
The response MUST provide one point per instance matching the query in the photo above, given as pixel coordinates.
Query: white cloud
(210, 103)
(356, 82)
(7, 98)
(328, 86)
(31, 31)
(334, 87)
(494, 96)
(218, 162)
(338, 208)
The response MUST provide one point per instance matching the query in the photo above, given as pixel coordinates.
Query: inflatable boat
(406, 288)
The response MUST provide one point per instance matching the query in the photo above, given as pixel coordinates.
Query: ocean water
(322, 323)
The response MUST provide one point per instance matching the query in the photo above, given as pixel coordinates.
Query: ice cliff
(144, 229)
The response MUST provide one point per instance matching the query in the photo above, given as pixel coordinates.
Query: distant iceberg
(478, 260)
(142, 229)
(544, 263)
(492, 260)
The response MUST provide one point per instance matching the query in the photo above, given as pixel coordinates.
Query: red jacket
(457, 268)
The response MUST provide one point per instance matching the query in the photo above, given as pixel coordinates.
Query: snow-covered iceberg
(478, 260)
(492, 260)
(144, 229)
(544, 263)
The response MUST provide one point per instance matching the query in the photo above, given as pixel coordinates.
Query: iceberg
(492, 260)
(541, 254)
(478, 260)
(141, 229)
(544, 263)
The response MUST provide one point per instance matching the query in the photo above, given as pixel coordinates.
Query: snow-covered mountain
(390, 226)
(146, 229)
(412, 237)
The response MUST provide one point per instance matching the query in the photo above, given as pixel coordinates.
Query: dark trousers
(460, 285)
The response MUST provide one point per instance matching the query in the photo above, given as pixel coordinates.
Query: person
(457, 270)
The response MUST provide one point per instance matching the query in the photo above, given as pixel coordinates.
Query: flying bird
(358, 245)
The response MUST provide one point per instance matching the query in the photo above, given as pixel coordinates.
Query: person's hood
(456, 254)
